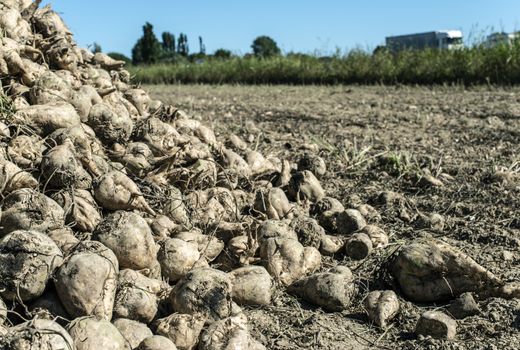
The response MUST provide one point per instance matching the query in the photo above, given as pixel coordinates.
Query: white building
(498, 38)
(440, 39)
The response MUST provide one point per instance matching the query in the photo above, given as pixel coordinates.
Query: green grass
(476, 65)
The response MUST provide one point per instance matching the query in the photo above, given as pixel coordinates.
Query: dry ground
(382, 138)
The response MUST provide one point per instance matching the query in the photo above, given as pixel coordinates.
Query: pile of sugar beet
(125, 224)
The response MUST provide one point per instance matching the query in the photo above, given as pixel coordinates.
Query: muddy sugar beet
(429, 270)
(142, 228)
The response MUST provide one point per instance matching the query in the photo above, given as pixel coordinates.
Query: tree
(168, 42)
(96, 48)
(264, 46)
(168, 47)
(147, 49)
(202, 47)
(182, 45)
(222, 54)
(380, 49)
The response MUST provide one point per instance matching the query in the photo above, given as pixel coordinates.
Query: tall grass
(474, 65)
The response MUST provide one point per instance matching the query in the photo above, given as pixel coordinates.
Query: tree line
(171, 49)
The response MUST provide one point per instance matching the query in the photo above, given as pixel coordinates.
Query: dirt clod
(437, 325)
(464, 306)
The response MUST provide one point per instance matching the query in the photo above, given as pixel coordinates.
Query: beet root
(429, 270)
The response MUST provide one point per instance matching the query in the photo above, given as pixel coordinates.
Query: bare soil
(377, 139)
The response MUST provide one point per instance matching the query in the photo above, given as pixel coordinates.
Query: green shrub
(475, 65)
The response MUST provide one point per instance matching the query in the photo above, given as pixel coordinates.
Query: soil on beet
(376, 139)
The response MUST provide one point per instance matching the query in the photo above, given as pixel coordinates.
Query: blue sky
(296, 25)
